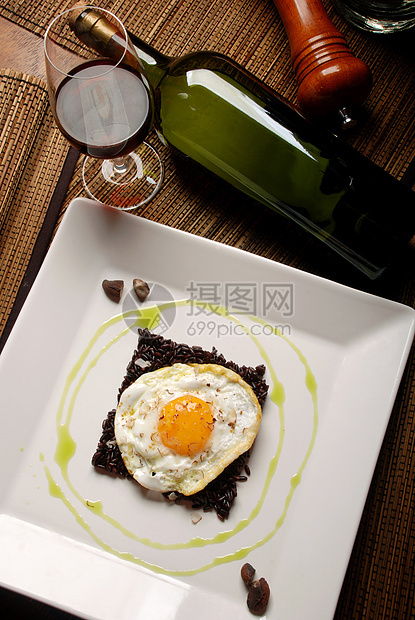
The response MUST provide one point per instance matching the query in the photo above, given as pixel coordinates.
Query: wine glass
(103, 105)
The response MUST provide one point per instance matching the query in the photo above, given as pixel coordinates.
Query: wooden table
(21, 50)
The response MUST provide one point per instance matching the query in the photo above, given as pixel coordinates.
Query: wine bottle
(211, 109)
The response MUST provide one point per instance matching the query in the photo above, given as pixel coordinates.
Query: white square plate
(102, 547)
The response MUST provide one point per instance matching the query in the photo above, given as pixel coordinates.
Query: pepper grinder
(331, 80)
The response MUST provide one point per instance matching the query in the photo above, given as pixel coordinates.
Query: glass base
(125, 183)
(378, 16)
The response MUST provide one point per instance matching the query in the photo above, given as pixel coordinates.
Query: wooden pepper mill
(330, 78)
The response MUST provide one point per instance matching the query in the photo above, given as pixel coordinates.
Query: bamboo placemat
(32, 156)
(379, 581)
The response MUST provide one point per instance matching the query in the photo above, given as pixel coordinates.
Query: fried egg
(178, 427)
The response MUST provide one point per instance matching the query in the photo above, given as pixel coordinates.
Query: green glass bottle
(220, 115)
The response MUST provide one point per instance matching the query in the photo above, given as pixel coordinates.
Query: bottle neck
(155, 63)
(102, 35)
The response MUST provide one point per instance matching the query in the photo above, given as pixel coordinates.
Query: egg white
(236, 412)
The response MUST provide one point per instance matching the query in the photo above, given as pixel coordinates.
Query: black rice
(153, 352)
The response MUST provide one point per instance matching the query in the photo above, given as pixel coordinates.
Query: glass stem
(120, 165)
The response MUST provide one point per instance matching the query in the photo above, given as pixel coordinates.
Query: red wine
(103, 109)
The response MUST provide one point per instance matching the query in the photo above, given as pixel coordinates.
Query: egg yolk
(185, 424)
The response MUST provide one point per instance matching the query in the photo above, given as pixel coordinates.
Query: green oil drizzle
(56, 491)
(66, 446)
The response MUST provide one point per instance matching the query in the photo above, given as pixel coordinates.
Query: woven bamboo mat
(28, 178)
(379, 581)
